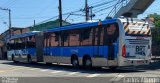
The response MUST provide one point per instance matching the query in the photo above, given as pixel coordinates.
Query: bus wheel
(48, 63)
(87, 63)
(112, 68)
(29, 60)
(13, 59)
(75, 62)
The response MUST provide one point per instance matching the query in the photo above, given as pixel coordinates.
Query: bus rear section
(136, 48)
(26, 47)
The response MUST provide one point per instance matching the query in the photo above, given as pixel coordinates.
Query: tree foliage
(156, 35)
(156, 20)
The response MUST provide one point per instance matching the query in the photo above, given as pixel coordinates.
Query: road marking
(34, 69)
(120, 75)
(93, 75)
(44, 70)
(16, 69)
(56, 72)
(117, 78)
(1, 71)
(73, 73)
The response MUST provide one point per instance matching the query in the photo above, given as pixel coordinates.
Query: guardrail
(117, 7)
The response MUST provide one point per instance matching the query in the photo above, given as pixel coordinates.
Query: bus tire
(29, 60)
(74, 61)
(87, 62)
(13, 59)
(113, 68)
(48, 63)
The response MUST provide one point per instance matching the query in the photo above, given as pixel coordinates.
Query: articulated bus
(109, 43)
(25, 47)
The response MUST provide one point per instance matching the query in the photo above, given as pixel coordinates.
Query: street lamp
(10, 26)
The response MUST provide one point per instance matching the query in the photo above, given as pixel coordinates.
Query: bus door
(111, 33)
(100, 51)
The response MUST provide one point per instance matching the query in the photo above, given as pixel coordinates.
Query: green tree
(156, 35)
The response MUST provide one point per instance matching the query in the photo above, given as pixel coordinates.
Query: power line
(80, 10)
(48, 19)
(104, 8)
(4, 21)
(104, 3)
(11, 3)
(62, 15)
(97, 2)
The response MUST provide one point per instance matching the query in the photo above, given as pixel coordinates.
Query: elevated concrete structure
(132, 8)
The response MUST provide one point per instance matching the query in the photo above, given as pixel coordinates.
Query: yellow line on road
(93, 75)
(1, 71)
(12, 69)
(34, 69)
(16, 69)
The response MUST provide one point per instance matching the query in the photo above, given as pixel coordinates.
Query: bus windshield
(137, 29)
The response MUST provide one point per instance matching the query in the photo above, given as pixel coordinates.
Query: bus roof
(24, 34)
(133, 20)
(83, 25)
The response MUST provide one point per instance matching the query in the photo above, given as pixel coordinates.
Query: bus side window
(98, 35)
(18, 43)
(46, 39)
(58, 38)
(31, 42)
(101, 35)
(65, 38)
(87, 36)
(95, 35)
(74, 36)
(111, 33)
(8, 46)
(53, 40)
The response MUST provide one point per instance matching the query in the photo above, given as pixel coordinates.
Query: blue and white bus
(109, 43)
(23, 48)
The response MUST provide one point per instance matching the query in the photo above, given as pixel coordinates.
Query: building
(47, 25)
(4, 38)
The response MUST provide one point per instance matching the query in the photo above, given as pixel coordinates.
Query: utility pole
(10, 25)
(60, 13)
(34, 25)
(91, 13)
(86, 9)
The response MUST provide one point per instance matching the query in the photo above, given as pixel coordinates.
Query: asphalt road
(42, 73)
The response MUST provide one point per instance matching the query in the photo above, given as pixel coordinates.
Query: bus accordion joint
(124, 51)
